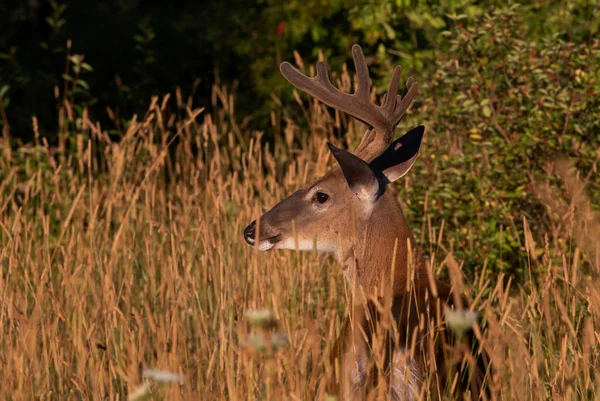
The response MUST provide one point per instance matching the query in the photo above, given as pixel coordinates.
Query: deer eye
(321, 197)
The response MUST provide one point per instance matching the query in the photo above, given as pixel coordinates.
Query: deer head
(348, 211)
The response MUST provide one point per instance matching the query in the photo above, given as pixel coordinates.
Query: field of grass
(117, 258)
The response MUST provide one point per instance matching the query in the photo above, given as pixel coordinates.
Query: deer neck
(383, 254)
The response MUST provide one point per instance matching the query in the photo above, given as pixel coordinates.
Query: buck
(349, 212)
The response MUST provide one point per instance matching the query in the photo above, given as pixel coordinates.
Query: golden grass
(121, 257)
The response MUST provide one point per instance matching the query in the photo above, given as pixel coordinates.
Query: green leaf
(314, 32)
(487, 111)
(389, 31)
(83, 84)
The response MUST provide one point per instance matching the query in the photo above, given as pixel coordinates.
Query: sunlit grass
(120, 259)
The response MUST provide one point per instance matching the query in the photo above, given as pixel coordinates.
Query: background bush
(500, 108)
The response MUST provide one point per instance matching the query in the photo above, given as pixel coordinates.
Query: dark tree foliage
(140, 48)
(137, 48)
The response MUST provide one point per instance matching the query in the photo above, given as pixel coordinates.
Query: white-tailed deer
(349, 213)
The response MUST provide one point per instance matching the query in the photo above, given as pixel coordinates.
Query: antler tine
(323, 76)
(320, 87)
(409, 82)
(370, 147)
(382, 118)
(362, 73)
(402, 103)
(390, 101)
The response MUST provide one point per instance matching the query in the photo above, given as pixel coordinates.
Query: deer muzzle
(266, 241)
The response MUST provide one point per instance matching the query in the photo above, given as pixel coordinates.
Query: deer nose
(249, 232)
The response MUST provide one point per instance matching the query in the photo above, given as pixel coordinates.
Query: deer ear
(360, 177)
(399, 157)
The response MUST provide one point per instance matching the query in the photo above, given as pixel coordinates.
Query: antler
(382, 118)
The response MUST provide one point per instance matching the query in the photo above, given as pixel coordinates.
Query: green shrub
(500, 109)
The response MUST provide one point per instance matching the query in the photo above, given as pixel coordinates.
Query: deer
(350, 213)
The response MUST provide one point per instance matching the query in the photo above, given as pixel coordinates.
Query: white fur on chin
(265, 246)
(305, 245)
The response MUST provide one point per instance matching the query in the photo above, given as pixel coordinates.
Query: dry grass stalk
(129, 255)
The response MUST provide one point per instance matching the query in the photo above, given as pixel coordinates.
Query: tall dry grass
(121, 257)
